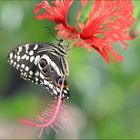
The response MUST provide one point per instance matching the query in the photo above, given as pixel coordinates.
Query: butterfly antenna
(61, 40)
(69, 42)
(53, 34)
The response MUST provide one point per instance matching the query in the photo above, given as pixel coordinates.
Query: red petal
(104, 54)
(57, 13)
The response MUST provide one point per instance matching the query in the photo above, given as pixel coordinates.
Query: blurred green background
(105, 99)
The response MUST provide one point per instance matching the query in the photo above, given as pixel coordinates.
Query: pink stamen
(49, 117)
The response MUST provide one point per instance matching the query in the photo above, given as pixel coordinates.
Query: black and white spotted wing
(42, 63)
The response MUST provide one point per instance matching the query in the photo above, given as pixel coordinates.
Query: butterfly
(42, 63)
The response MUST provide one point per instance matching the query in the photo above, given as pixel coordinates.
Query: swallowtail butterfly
(42, 63)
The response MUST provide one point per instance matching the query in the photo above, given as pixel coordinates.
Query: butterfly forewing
(41, 63)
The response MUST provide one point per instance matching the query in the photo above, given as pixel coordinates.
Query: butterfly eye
(59, 80)
(43, 63)
(65, 82)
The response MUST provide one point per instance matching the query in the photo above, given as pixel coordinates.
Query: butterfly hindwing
(41, 63)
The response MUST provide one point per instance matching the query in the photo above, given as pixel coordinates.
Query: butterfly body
(42, 63)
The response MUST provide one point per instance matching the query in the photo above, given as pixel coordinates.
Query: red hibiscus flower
(108, 21)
